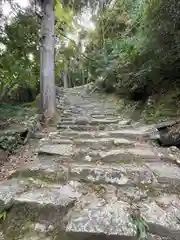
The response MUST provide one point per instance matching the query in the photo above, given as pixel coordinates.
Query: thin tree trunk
(65, 79)
(47, 82)
(82, 75)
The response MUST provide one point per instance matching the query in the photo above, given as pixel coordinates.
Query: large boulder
(169, 134)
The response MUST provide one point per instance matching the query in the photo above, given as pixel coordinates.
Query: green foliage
(141, 229)
(15, 121)
(11, 113)
(62, 14)
(11, 142)
(138, 52)
(162, 107)
(19, 61)
(3, 216)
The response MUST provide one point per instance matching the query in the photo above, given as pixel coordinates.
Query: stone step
(91, 143)
(75, 207)
(106, 142)
(77, 127)
(129, 133)
(88, 121)
(115, 217)
(35, 205)
(99, 116)
(126, 175)
(153, 178)
(65, 150)
(39, 232)
(158, 177)
(78, 134)
(120, 156)
(122, 132)
(125, 155)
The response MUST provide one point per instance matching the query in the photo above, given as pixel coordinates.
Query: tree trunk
(65, 79)
(47, 82)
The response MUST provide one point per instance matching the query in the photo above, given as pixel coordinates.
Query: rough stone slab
(9, 189)
(147, 152)
(55, 195)
(77, 134)
(62, 141)
(171, 154)
(114, 218)
(97, 142)
(66, 122)
(125, 122)
(57, 149)
(99, 217)
(167, 123)
(162, 217)
(43, 170)
(129, 133)
(47, 205)
(80, 127)
(166, 173)
(125, 175)
(103, 121)
(82, 121)
(99, 116)
(123, 155)
(103, 142)
(55, 140)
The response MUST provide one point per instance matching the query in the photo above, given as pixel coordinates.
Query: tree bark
(65, 75)
(47, 81)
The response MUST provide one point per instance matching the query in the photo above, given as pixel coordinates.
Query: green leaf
(3, 216)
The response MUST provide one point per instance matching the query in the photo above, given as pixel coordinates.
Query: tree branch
(79, 52)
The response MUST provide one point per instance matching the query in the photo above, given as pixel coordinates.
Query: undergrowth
(162, 107)
(14, 114)
(135, 49)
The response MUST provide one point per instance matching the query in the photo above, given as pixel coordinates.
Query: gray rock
(9, 190)
(55, 195)
(166, 173)
(99, 217)
(57, 149)
(1, 236)
(125, 122)
(127, 174)
(162, 218)
(43, 170)
(82, 121)
(108, 142)
(126, 155)
(103, 121)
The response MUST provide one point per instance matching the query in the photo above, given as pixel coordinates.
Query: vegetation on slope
(137, 47)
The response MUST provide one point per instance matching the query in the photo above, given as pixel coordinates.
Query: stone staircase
(95, 176)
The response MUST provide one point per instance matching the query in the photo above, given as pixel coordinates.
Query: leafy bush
(19, 61)
(140, 56)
